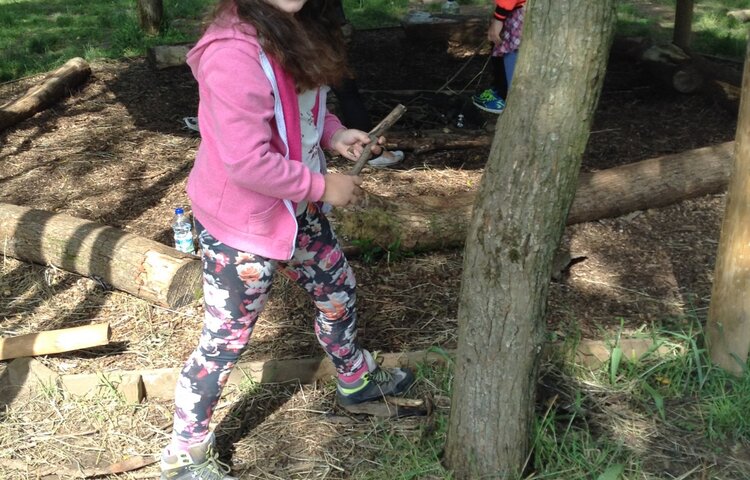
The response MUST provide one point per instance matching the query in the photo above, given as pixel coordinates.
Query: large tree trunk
(683, 23)
(728, 329)
(150, 13)
(57, 84)
(519, 218)
(426, 223)
(142, 267)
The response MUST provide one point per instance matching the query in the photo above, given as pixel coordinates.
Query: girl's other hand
(342, 190)
(349, 143)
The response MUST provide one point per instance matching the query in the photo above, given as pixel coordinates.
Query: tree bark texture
(728, 328)
(55, 86)
(683, 23)
(150, 13)
(427, 222)
(518, 220)
(142, 267)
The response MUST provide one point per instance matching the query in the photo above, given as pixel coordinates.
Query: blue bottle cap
(178, 211)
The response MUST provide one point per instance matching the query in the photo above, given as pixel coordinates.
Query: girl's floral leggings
(236, 286)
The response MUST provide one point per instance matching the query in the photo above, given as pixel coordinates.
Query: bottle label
(184, 243)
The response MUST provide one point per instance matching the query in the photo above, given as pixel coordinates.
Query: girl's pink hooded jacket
(248, 177)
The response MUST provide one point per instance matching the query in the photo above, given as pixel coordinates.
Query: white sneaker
(387, 158)
(191, 123)
(200, 462)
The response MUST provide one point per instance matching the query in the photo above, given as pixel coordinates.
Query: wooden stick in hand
(374, 134)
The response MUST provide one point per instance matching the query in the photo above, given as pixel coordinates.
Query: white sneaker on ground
(387, 158)
(191, 123)
(199, 462)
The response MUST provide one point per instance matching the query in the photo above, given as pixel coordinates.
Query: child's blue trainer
(489, 101)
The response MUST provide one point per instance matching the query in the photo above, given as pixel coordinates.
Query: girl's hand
(493, 33)
(349, 143)
(342, 190)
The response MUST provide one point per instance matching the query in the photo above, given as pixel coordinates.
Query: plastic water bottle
(183, 232)
(460, 121)
(450, 7)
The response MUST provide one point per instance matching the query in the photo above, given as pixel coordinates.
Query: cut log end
(687, 81)
(186, 285)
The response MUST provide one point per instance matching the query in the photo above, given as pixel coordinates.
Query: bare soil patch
(116, 152)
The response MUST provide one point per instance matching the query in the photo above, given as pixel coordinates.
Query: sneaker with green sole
(489, 101)
(200, 462)
(375, 384)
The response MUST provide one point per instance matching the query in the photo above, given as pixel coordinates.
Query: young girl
(505, 34)
(256, 189)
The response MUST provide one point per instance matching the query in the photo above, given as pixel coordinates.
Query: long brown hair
(308, 44)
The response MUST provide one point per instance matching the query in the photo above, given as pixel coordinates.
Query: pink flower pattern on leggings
(236, 286)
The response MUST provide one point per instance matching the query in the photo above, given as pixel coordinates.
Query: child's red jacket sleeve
(504, 7)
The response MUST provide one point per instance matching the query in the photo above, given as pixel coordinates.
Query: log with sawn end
(142, 267)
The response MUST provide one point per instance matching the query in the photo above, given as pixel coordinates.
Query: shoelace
(381, 376)
(212, 465)
(487, 95)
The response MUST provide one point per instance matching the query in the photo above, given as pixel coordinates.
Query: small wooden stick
(374, 134)
(55, 341)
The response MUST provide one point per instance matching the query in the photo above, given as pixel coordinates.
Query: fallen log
(55, 341)
(165, 56)
(671, 66)
(428, 222)
(137, 265)
(652, 183)
(740, 15)
(57, 84)
(430, 140)
(684, 71)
